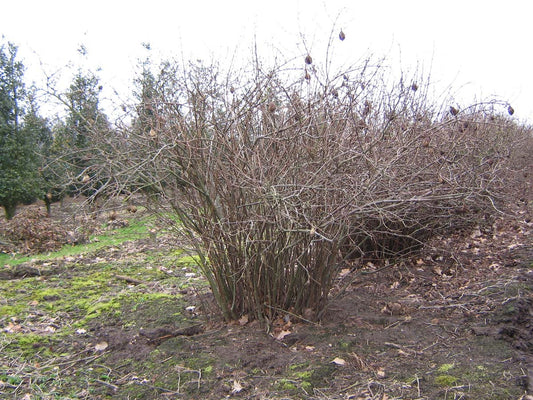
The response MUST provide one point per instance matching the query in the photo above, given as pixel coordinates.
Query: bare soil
(454, 321)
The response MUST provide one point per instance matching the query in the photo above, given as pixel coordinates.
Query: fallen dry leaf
(476, 233)
(101, 346)
(282, 334)
(338, 361)
(494, 266)
(344, 272)
(12, 328)
(380, 373)
(237, 387)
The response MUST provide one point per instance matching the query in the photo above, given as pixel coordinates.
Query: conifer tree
(19, 161)
(84, 121)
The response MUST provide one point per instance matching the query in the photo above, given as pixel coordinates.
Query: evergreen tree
(52, 171)
(84, 121)
(19, 162)
(146, 95)
(148, 118)
(83, 108)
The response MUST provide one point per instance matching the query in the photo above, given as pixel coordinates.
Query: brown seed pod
(232, 89)
(307, 76)
(271, 107)
(510, 110)
(464, 127)
(342, 36)
(367, 108)
(414, 87)
(454, 111)
(308, 60)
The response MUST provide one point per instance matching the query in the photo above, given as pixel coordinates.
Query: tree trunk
(10, 210)
(48, 204)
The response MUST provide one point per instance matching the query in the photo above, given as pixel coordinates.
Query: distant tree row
(40, 159)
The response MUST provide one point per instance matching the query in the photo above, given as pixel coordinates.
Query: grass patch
(303, 377)
(137, 229)
(445, 380)
(445, 368)
(286, 384)
(28, 345)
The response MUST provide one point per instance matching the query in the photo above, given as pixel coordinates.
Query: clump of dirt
(514, 322)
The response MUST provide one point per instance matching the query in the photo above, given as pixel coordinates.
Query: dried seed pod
(342, 36)
(367, 108)
(271, 107)
(454, 111)
(308, 60)
(307, 76)
(510, 110)
(232, 89)
(414, 87)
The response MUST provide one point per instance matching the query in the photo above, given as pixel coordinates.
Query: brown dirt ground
(452, 322)
(465, 313)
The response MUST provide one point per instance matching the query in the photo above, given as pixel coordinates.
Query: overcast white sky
(481, 48)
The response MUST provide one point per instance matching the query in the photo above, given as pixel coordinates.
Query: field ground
(127, 316)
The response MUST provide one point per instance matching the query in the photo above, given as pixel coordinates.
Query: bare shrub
(276, 177)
